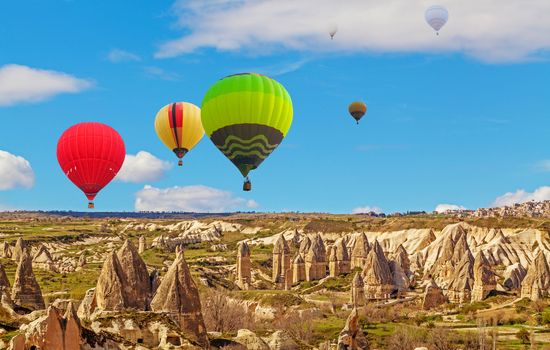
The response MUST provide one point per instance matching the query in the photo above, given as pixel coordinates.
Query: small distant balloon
(332, 31)
(436, 16)
(357, 110)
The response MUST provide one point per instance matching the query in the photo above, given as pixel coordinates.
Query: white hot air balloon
(436, 16)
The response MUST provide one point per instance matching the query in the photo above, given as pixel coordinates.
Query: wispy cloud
(521, 196)
(190, 199)
(543, 165)
(366, 209)
(278, 69)
(160, 73)
(20, 84)
(493, 30)
(118, 55)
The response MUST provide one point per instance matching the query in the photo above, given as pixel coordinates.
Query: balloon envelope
(357, 110)
(90, 154)
(246, 116)
(179, 127)
(436, 16)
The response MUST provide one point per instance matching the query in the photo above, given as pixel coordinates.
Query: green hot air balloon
(246, 116)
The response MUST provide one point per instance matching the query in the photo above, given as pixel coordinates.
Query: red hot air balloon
(90, 154)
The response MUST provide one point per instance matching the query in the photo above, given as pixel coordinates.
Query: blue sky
(460, 119)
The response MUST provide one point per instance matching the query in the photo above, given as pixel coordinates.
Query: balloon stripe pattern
(247, 116)
(436, 16)
(90, 155)
(179, 127)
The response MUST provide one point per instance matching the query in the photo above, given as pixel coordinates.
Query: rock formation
(178, 296)
(400, 269)
(43, 260)
(123, 282)
(338, 259)
(352, 337)
(288, 279)
(513, 276)
(5, 250)
(536, 283)
(82, 260)
(295, 240)
(484, 278)
(377, 274)
(357, 297)
(281, 340)
(51, 332)
(250, 340)
(281, 259)
(20, 247)
(298, 269)
(360, 251)
(243, 266)
(433, 296)
(26, 291)
(4, 282)
(316, 260)
(142, 244)
(304, 245)
(462, 280)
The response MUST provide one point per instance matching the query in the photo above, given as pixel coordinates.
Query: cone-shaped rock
(109, 292)
(26, 291)
(20, 247)
(433, 296)
(244, 276)
(178, 295)
(377, 274)
(360, 251)
(137, 288)
(462, 281)
(536, 283)
(484, 278)
(4, 282)
(281, 259)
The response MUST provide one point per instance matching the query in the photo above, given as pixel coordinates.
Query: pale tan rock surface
(26, 291)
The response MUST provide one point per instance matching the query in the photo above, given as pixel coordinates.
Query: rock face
(338, 259)
(484, 278)
(357, 297)
(52, 332)
(377, 275)
(352, 337)
(513, 276)
(243, 266)
(142, 245)
(5, 250)
(400, 269)
(304, 245)
(250, 340)
(298, 269)
(281, 259)
(4, 282)
(536, 283)
(281, 340)
(43, 260)
(360, 251)
(178, 296)
(26, 291)
(462, 281)
(20, 247)
(316, 260)
(123, 282)
(433, 296)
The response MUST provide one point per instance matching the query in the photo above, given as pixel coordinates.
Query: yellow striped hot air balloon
(246, 116)
(178, 126)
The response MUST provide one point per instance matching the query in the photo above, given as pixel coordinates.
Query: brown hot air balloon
(357, 110)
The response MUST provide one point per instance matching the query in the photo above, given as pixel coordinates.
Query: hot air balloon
(436, 16)
(246, 116)
(90, 154)
(357, 110)
(178, 126)
(332, 31)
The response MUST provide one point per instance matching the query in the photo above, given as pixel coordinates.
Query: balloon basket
(91, 205)
(180, 162)
(247, 186)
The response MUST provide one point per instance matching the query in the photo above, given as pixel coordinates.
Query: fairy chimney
(26, 291)
(243, 266)
(142, 244)
(433, 296)
(281, 259)
(360, 251)
(377, 274)
(536, 284)
(18, 250)
(357, 298)
(298, 269)
(178, 296)
(316, 260)
(484, 278)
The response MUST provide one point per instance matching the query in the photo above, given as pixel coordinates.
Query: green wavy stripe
(232, 140)
(246, 154)
(248, 149)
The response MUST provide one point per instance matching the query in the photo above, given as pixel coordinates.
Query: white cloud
(492, 30)
(521, 196)
(159, 73)
(189, 199)
(441, 208)
(117, 55)
(366, 209)
(142, 167)
(25, 84)
(15, 171)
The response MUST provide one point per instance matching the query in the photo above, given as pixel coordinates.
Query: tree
(523, 335)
